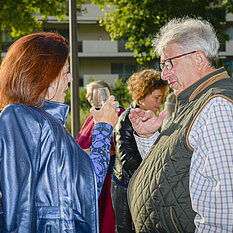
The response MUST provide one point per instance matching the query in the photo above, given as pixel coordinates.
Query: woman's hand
(108, 112)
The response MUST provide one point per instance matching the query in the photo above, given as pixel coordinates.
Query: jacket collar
(134, 105)
(58, 110)
(190, 93)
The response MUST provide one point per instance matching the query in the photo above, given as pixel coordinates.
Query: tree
(139, 20)
(19, 15)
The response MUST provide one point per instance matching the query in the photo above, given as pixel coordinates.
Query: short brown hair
(142, 83)
(31, 64)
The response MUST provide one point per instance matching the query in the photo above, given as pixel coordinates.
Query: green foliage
(84, 104)
(121, 93)
(84, 107)
(227, 65)
(68, 123)
(20, 15)
(84, 113)
(139, 21)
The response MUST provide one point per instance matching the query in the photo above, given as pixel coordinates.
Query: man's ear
(200, 60)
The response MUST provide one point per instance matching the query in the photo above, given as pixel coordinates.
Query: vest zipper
(174, 224)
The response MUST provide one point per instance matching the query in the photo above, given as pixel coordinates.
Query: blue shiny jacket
(48, 182)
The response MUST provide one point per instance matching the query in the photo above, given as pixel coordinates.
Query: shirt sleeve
(100, 151)
(211, 174)
(144, 144)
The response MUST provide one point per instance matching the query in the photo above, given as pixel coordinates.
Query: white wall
(92, 32)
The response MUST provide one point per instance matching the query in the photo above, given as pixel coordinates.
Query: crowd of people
(128, 170)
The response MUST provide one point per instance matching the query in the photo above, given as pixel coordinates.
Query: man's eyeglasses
(168, 62)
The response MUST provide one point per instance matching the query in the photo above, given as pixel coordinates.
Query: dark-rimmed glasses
(168, 62)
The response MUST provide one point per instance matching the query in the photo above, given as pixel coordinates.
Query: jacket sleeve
(18, 157)
(100, 151)
(125, 145)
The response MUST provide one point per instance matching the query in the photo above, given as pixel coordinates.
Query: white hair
(98, 83)
(191, 34)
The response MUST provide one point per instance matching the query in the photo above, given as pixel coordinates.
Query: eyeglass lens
(167, 63)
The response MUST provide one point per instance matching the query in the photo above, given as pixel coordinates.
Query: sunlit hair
(98, 83)
(192, 35)
(31, 64)
(143, 83)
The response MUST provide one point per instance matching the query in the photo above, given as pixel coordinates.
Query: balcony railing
(103, 48)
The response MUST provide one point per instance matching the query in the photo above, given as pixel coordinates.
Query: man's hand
(145, 123)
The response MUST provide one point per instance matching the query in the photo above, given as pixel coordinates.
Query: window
(121, 46)
(123, 70)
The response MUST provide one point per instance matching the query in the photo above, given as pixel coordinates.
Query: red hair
(31, 64)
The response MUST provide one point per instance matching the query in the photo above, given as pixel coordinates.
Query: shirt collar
(185, 94)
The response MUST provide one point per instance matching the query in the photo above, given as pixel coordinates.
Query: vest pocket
(169, 222)
(173, 221)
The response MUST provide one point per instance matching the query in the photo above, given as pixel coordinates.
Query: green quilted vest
(158, 193)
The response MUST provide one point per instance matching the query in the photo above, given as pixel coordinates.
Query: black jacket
(128, 157)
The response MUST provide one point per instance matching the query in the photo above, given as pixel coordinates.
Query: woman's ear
(50, 93)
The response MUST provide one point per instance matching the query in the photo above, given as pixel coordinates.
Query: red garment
(106, 214)
(84, 138)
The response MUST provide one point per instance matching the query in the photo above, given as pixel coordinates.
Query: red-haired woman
(48, 182)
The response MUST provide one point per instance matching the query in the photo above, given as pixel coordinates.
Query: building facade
(226, 52)
(98, 56)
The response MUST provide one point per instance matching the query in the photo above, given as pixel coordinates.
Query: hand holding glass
(100, 96)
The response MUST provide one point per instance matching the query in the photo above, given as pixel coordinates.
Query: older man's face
(182, 74)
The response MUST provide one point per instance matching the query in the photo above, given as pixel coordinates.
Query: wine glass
(100, 96)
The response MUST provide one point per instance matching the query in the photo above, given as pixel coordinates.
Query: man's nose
(164, 74)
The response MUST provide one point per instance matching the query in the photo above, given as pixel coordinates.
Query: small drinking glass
(100, 96)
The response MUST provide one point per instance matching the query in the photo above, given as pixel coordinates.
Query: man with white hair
(185, 183)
